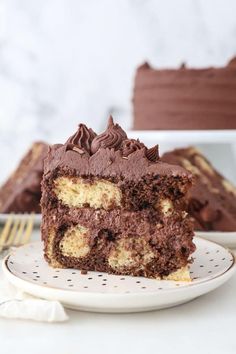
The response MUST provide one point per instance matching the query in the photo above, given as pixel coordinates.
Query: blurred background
(67, 61)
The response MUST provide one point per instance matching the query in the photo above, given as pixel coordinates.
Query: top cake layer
(109, 170)
(185, 98)
(109, 154)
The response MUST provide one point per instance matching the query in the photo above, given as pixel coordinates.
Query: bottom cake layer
(156, 250)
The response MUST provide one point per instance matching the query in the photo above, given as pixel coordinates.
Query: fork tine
(5, 232)
(20, 232)
(28, 230)
(13, 233)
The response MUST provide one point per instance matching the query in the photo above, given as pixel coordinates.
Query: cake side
(22, 191)
(185, 98)
(110, 205)
(87, 242)
(163, 230)
(212, 199)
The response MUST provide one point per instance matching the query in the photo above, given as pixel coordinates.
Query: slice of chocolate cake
(22, 191)
(109, 204)
(212, 199)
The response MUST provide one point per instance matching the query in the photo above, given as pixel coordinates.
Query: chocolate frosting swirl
(129, 146)
(111, 138)
(81, 140)
(232, 62)
(152, 154)
(85, 141)
(144, 66)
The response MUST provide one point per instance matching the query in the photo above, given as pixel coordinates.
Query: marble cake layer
(110, 205)
(22, 191)
(212, 199)
(185, 98)
(131, 243)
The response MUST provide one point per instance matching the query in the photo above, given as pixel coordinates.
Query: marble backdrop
(66, 61)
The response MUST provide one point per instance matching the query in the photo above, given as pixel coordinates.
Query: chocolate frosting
(81, 140)
(114, 137)
(144, 66)
(129, 146)
(185, 98)
(153, 153)
(111, 138)
(113, 154)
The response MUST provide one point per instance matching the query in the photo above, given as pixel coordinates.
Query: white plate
(185, 136)
(37, 218)
(101, 292)
(227, 239)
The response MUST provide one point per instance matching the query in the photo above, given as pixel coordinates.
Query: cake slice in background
(110, 205)
(212, 199)
(21, 193)
(184, 98)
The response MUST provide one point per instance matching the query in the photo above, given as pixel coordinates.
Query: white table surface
(205, 325)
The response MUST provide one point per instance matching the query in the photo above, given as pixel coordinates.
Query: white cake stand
(218, 145)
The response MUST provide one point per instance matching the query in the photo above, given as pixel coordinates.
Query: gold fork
(16, 231)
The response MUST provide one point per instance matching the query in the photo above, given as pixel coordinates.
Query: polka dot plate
(26, 268)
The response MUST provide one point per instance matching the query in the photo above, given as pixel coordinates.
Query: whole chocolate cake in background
(185, 98)
(109, 204)
(21, 193)
(212, 199)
